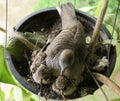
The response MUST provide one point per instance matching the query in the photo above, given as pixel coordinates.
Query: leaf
(98, 10)
(26, 95)
(116, 99)
(16, 94)
(86, 9)
(11, 94)
(109, 20)
(5, 75)
(113, 42)
(2, 95)
(34, 37)
(34, 98)
(19, 42)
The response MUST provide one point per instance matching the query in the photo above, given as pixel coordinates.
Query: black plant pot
(45, 19)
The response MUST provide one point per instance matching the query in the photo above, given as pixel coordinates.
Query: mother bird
(65, 55)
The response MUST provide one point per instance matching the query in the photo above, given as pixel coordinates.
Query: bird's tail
(68, 15)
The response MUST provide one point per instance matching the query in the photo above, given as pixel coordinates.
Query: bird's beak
(62, 71)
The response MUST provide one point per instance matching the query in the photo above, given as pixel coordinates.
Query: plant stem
(2, 30)
(95, 80)
(23, 40)
(96, 31)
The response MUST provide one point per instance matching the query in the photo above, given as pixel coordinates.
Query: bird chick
(70, 75)
(66, 59)
(37, 59)
(43, 75)
(63, 86)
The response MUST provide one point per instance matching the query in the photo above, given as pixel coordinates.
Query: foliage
(5, 76)
(2, 95)
(90, 6)
(53, 3)
(115, 100)
(14, 45)
(15, 93)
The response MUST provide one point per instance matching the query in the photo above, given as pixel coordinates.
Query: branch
(23, 40)
(2, 29)
(108, 82)
(96, 31)
(95, 80)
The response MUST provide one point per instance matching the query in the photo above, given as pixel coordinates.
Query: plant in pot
(36, 27)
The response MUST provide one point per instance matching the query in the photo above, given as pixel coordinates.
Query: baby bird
(40, 72)
(61, 84)
(43, 75)
(37, 59)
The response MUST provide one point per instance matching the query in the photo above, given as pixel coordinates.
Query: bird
(64, 57)
(43, 75)
(61, 84)
(67, 51)
(38, 57)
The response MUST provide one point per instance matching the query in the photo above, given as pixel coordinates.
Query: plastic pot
(44, 19)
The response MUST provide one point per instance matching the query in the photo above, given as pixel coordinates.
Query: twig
(2, 30)
(23, 40)
(96, 31)
(94, 78)
(108, 82)
(94, 39)
(114, 25)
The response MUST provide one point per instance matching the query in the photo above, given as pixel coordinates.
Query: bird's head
(66, 59)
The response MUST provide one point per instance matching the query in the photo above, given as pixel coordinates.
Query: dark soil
(88, 86)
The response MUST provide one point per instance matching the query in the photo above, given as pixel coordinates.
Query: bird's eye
(34, 70)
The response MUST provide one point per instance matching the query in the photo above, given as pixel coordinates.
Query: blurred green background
(10, 89)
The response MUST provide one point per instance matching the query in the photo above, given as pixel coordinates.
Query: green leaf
(11, 94)
(98, 10)
(87, 9)
(26, 95)
(2, 95)
(16, 94)
(34, 97)
(113, 42)
(5, 75)
(34, 37)
(16, 49)
(17, 45)
(117, 66)
(116, 99)
(109, 20)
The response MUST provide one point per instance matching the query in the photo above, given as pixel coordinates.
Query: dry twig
(96, 31)
(95, 80)
(23, 40)
(2, 30)
(108, 82)
(94, 39)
